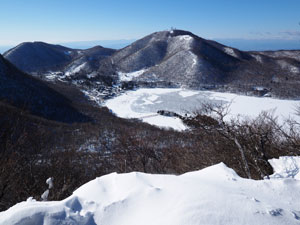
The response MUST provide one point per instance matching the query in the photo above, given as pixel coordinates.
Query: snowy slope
(177, 57)
(215, 195)
(130, 76)
(144, 104)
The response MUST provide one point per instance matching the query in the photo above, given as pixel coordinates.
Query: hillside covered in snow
(214, 195)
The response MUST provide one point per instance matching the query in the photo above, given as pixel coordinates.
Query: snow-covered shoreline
(214, 195)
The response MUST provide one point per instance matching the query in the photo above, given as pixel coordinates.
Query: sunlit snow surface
(144, 104)
(130, 76)
(230, 51)
(215, 195)
(75, 69)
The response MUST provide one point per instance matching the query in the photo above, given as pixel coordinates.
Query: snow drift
(215, 195)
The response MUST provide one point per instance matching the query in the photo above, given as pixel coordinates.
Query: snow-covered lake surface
(214, 195)
(144, 104)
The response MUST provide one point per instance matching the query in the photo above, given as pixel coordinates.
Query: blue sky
(58, 21)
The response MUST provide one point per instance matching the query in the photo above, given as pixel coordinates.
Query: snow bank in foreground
(215, 195)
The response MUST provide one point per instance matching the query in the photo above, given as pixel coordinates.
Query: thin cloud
(284, 35)
(290, 34)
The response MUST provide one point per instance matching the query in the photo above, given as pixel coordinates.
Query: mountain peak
(39, 56)
(181, 32)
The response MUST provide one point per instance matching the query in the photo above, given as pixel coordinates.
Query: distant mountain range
(167, 59)
(239, 43)
(115, 44)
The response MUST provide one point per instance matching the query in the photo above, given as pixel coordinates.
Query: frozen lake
(144, 104)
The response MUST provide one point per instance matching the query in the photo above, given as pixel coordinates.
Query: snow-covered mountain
(58, 63)
(39, 58)
(292, 54)
(179, 58)
(214, 195)
(88, 62)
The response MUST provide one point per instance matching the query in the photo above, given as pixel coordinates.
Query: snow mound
(215, 195)
(286, 167)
